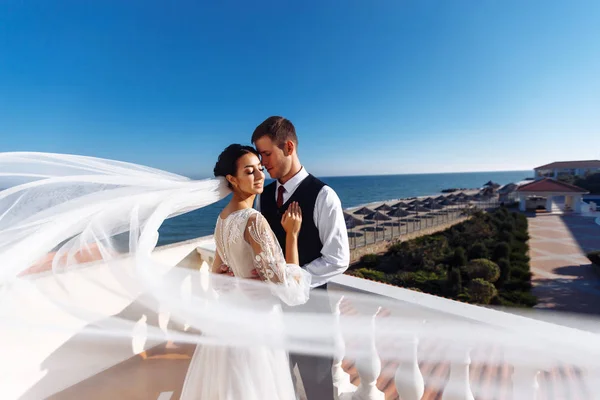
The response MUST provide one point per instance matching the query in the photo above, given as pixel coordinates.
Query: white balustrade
(408, 377)
(525, 383)
(368, 366)
(459, 386)
(341, 379)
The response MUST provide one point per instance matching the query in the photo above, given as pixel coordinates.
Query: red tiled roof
(550, 185)
(571, 164)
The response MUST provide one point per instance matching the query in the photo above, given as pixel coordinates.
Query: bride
(60, 211)
(244, 242)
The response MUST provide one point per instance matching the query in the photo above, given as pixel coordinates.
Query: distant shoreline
(378, 203)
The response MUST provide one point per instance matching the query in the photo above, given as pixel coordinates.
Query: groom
(323, 241)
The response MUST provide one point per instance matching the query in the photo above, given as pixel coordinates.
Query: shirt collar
(291, 185)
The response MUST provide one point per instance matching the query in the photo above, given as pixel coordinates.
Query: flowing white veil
(78, 268)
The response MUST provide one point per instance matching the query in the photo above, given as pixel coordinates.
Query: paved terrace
(563, 277)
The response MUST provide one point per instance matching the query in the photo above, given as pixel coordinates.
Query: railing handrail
(485, 315)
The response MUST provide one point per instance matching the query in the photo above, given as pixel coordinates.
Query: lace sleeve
(291, 283)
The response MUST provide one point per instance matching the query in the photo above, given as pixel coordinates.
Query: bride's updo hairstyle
(227, 162)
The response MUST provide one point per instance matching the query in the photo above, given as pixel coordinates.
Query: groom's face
(273, 158)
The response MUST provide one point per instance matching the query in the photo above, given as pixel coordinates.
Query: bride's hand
(292, 219)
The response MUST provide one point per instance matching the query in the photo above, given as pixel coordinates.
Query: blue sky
(372, 87)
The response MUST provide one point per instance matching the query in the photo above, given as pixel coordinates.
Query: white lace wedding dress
(244, 242)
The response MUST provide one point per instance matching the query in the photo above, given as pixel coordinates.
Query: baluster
(139, 337)
(525, 383)
(343, 387)
(368, 367)
(163, 322)
(185, 290)
(408, 378)
(459, 386)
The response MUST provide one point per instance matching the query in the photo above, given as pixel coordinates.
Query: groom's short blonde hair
(278, 129)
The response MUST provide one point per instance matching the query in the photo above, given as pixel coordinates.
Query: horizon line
(406, 174)
(426, 173)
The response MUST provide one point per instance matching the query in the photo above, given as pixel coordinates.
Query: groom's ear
(289, 147)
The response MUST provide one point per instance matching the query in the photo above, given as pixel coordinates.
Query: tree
(481, 291)
(504, 266)
(501, 250)
(478, 250)
(370, 260)
(483, 269)
(459, 258)
(455, 281)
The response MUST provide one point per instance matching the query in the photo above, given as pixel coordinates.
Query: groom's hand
(255, 275)
(224, 269)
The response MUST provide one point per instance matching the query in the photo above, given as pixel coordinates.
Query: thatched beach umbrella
(440, 198)
(433, 205)
(418, 208)
(355, 235)
(383, 207)
(352, 221)
(400, 204)
(491, 184)
(398, 213)
(364, 211)
(377, 216)
(448, 202)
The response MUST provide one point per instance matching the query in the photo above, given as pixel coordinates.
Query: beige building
(567, 168)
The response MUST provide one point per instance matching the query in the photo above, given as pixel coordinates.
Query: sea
(353, 191)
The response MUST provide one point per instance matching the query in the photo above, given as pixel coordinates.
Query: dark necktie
(280, 191)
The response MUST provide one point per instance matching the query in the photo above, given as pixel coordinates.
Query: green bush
(370, 260)
(504, 266)
(464, 297)
(439, 263)
(516, 285)
(428, 282)
(520, 274)
(590, 182)
(521, 236)
(507, 227)
(483, 269)
(373, 274)
(355, 272)
(481, 291)
(478, 250)
(505, 237)
(454, 281)
(519, 298)
(594, 257)
(501, 250)
(519, 257)
(459, 258)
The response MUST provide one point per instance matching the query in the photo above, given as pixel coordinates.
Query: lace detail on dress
(270, 262)
(229, 231)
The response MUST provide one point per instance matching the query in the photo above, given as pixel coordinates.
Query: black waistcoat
(309, 243)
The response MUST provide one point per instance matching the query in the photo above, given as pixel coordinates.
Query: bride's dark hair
(227, 162)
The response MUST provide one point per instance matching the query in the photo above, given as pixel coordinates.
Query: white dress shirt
(329, 220)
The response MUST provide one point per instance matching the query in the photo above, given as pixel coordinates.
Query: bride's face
(250, 178)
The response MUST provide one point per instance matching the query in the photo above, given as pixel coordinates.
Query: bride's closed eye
(261, 169)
